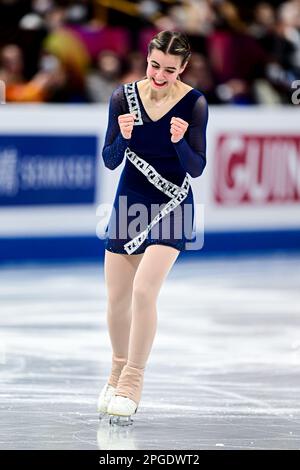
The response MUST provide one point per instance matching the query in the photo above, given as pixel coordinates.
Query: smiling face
(163, 69)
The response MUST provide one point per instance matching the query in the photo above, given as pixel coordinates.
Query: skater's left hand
(178, 129)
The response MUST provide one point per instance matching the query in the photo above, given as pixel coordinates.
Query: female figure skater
(159, 124)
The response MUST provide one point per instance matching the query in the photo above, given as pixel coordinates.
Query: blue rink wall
(88, 248)
(53, 182)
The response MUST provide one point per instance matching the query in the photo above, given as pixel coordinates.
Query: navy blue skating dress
(154, 201)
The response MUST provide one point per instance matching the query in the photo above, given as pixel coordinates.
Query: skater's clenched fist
(126, 122)
(178, 129)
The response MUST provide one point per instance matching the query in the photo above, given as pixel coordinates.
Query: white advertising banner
(251, 181)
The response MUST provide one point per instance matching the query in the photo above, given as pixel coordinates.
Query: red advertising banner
(256, 169)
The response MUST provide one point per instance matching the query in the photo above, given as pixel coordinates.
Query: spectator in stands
(12, 73)
(135, 67)
(106, 76)
(42, 87)
(267, 29)
(264, 21)
(55, 43)
(235, 56)
(289, 29)
(11, 64)
(198, 74)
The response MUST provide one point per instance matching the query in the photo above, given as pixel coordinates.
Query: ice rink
(224, 371)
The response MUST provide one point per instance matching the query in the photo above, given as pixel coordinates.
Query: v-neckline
(164, 115)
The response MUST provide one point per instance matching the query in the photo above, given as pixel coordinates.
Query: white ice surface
(224, 370)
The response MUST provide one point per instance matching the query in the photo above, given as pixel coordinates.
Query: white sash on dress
(176, 193)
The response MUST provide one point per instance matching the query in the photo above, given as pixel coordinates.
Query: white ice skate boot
(120, 409)
(108, 390)
(125, 401)
(104, 398)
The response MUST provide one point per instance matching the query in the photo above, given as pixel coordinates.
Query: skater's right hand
(126, 124)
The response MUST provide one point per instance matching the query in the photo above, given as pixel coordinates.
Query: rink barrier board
(240, 213)
(89, 248)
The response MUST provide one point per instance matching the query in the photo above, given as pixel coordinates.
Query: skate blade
(120, 420)
(102, 414)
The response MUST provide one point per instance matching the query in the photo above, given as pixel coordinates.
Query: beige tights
(133, 284)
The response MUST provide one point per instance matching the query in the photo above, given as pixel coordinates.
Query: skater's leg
(119, 272)
(153, 269)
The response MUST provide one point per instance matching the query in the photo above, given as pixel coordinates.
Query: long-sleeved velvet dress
(156, 172)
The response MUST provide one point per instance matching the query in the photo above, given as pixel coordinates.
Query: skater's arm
(191, 149)
(114, 144)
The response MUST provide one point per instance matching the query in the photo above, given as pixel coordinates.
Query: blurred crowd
(78, 52)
